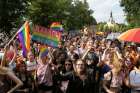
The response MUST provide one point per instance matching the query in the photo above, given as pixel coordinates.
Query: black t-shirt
(76, 85)
(60, 55)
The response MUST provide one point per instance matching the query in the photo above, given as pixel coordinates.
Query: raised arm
(51, 53)
(14, 57)
(103, 58)
(15, 52)
(3, 62)
(118, 54)
(85, 54)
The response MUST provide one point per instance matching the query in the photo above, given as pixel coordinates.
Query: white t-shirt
(135, 78)
(31, 65)
(1, 55)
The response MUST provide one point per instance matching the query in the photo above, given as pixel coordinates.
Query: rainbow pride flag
(24, 37)
(44, 52)
(46, 36)
(56, 26)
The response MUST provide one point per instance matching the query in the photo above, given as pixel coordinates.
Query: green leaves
(11, 14)
(72, 14)
(103, 27)
(132, 10)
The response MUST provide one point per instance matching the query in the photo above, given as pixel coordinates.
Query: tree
(103, 27)
(132, 10)
(81, 15)
(100, 27)
(11, 15)
(72, 14)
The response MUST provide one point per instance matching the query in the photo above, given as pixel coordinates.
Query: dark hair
(93, 56)
(75, 56)
(68, 60)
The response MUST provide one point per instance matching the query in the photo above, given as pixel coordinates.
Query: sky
(102, 9)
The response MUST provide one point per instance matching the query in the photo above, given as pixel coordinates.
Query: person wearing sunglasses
(68, 67)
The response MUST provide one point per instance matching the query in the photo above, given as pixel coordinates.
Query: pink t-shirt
(44, 74)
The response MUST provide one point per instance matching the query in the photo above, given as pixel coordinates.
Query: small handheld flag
(44, 52)
(56, 26)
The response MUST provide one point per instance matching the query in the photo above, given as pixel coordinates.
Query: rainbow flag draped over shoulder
(56, 26)
(24, 37)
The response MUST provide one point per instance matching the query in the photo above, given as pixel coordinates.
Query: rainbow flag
(46, 36)
(56, 26)
(44, 52)
(24, 37)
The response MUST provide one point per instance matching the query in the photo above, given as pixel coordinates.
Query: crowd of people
(84, 63)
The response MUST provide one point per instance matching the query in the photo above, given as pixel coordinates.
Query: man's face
(80, 66)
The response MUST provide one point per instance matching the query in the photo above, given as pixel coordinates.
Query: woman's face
(68, 66)
(80, 66)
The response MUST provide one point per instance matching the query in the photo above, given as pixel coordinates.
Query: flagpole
(13, 38)
(15, 34)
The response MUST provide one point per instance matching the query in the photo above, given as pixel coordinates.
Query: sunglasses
(67, 64)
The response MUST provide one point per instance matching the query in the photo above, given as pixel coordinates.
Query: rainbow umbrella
(132, 35)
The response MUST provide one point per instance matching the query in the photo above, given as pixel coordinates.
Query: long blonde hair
(116, 62)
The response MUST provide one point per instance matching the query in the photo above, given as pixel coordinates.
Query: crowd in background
(84, 63)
